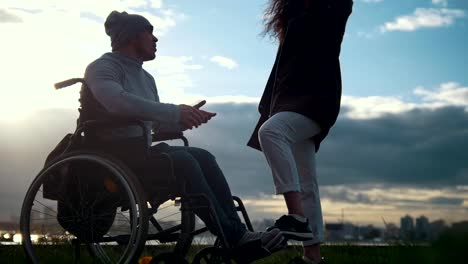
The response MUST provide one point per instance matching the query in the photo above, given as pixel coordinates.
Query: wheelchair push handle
(68, 82)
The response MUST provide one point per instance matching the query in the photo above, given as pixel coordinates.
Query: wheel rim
(81, 225)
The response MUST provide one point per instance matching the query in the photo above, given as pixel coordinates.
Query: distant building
(334, 231)
(423, 228)
(407, 228)
(370, 232)
(9, 226)
(460, 226)
(350, 231)
(341, 232)
(7, 230)
(391, 232)
(437, 227)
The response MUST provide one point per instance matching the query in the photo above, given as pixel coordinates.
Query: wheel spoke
(71, 227)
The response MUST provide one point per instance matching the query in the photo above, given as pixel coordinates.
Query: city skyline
(410, 229)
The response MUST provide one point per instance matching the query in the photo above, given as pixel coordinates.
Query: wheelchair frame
(182, 233)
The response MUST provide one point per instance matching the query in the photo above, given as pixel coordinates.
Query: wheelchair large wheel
(84, 207)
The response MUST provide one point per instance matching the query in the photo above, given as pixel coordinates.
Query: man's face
(145, 45)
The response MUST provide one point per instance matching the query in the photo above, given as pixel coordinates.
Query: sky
(399, 146)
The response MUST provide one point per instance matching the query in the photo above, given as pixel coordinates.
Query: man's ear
(128, 43)
(135, 37)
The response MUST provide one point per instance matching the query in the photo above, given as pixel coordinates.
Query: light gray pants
(285, 141)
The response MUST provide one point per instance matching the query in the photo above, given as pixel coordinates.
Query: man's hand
(206, 115)
(190, 116)
(200, 104)
(193, 117)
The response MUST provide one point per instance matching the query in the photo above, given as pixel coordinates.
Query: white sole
(298, 236)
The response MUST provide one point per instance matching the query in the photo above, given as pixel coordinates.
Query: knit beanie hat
(122, 27)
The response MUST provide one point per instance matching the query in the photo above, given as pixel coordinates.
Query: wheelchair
(88, 206)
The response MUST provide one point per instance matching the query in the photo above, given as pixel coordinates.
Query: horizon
(383, 224)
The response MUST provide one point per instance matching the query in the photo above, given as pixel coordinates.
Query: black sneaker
(293, 229)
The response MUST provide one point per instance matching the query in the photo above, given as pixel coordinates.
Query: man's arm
(165, 127)
(103, 79)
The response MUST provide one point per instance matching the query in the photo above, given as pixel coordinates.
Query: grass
(450, 248)
(377, 255)
(451, 253)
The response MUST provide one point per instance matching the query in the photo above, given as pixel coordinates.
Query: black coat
(306, 76)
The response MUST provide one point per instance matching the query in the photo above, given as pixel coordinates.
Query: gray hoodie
(124, 88)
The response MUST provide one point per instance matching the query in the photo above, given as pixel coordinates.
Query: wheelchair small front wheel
(168, 258)
(213, 255)
(84, 207)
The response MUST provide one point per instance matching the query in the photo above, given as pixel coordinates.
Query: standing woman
(300, 104)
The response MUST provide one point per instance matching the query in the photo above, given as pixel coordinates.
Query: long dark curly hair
(277, 15)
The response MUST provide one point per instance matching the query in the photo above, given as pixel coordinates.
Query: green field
(440, 254)
(450, 248)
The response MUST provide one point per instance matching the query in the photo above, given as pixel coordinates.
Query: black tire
(212, 255)
(97, 213)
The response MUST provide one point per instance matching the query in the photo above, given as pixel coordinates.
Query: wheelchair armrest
(114, 123)
(162, 136)
(109, 124)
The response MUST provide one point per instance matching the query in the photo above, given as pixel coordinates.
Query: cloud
(372, 1)
(448, 94)
(394, 195)
(396, 145)
(167, 65)
(443, 3)
(9, 17)
(346, 194)
(173, 73)
(441, 200)
(101, 8)
(224, 62)
(424, 18)
(366, 35)
(368, 204)
(418, 147)
(374, 106)
(156, 3)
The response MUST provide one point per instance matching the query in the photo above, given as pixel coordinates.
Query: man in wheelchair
(117, 87)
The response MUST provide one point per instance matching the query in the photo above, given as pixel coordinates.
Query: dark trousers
(200, 172)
